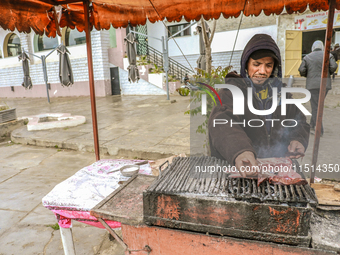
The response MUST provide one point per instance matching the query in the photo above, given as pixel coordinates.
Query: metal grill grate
(181, 177)
(7, 115)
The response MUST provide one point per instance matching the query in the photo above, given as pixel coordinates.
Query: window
(74, 37)
(46, 43)
(13, 45)
(176, 28)
(112, 35)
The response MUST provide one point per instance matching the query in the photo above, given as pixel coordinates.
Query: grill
(198, 194)
(181, 177)
(7, 115)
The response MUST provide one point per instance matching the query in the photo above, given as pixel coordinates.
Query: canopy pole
(322, 94)
(43, 62)
(91, 79)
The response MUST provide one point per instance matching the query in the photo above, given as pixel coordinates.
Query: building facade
(294, 35)
(108, 51)
(293, 38)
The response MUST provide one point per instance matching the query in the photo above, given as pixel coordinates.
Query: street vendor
(240, 144)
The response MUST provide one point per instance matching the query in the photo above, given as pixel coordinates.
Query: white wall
(188, 44)
(78, 56)
(141, 87)
(157, 30)
(222, 42)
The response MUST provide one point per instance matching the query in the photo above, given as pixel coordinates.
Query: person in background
(336, 54)
(186, 79)
(311, 67)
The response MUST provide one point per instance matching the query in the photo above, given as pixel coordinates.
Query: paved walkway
(129, 126)
(28, 173)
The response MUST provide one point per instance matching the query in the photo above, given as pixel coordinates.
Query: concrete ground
(128, 126)
(329, 143)
(28, 173)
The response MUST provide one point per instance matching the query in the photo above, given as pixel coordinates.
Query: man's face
(259, 70)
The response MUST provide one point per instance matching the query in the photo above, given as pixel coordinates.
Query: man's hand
(246, 164)
(295, 149)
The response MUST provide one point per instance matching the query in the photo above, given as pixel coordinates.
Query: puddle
(50, 119)
(53, 120)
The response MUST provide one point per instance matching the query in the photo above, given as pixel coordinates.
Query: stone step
(143, 87)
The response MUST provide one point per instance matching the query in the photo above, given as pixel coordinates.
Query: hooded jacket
(311, 67)
(228, 141)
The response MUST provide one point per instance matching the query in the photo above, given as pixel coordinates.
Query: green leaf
(216, 77)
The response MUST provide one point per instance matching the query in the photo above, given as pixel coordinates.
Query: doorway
(115, 84)
(308, 38)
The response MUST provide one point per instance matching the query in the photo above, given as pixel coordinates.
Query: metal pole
(30, 53)
(167, 66)
(166, 63)
(53, 50)
(149, 36)
(43, 62)
(165, 51)
(91, 79)
(325, 71)
(44, 67)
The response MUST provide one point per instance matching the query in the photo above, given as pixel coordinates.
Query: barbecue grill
(214, 202)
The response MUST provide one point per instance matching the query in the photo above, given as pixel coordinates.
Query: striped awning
(39, 15)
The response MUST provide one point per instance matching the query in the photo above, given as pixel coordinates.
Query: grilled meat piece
(276, 171)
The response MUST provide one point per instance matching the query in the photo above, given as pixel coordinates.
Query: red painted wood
(164, 241)
(91, 78)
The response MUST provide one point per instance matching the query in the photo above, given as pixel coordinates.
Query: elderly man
(311, 67)
(241, 144)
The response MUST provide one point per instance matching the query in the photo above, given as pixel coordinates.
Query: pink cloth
(64, 218)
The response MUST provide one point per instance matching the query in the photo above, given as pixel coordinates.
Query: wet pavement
(28, 173)
(131, 126)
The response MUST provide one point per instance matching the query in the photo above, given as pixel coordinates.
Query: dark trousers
(314, 102)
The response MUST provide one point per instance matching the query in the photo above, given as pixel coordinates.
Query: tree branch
(212, 32)
(205, 36)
